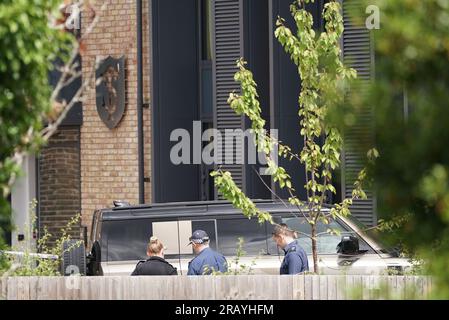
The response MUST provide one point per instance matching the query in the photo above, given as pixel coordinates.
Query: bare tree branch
(66, 78)
(272, 191)
(53, 127)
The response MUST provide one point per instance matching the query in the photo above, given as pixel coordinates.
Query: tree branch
(62, 82)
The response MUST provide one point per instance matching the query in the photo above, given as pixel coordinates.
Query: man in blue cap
(206, 260)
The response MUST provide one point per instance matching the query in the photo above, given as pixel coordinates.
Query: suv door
(255, 244)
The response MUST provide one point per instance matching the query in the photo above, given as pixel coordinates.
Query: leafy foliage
(28, 45)
(323, 81)
(382, 289)
(409, 96)
(31, 264)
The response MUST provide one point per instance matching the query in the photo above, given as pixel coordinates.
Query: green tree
(323, 77)
(33, 35)
(28, 45)
(410, 100)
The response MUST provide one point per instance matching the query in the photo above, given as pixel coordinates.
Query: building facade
(180, 58)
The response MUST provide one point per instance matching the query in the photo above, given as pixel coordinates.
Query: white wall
(23, 192)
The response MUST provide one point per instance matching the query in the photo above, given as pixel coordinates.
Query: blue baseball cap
(198, 237)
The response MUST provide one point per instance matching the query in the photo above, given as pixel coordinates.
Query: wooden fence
(260, 287)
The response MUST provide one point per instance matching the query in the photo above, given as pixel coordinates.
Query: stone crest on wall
(110, 90)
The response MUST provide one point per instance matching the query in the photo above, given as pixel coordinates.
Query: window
(206, 47)
(173, 235)
(179, 233)
(206, 111)
(5, 227)
(253, 234)
(128, 239)
(207, 182)
(326, 243)
(300, 224)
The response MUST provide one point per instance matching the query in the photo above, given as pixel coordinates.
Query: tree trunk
(314, 250)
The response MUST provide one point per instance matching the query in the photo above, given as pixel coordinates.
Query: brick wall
(59, 183)
(109, 160)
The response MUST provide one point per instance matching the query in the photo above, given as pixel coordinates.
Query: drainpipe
(140, 140)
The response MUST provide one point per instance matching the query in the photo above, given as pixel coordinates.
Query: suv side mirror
(348, 245)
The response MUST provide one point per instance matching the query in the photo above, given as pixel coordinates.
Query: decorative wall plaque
(110, 90)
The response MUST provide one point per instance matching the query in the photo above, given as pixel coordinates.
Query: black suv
(119, 237)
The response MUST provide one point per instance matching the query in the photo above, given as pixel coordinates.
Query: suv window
(128, 239)
(326, 243)
(208, 225)
(253, 234)
(300, 224)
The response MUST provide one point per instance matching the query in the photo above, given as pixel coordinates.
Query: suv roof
(193, 208)
(184, 204)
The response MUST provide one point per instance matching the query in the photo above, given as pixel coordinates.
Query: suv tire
(74, 260)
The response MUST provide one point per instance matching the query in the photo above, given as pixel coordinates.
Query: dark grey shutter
(228, 48)
(358, 53)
